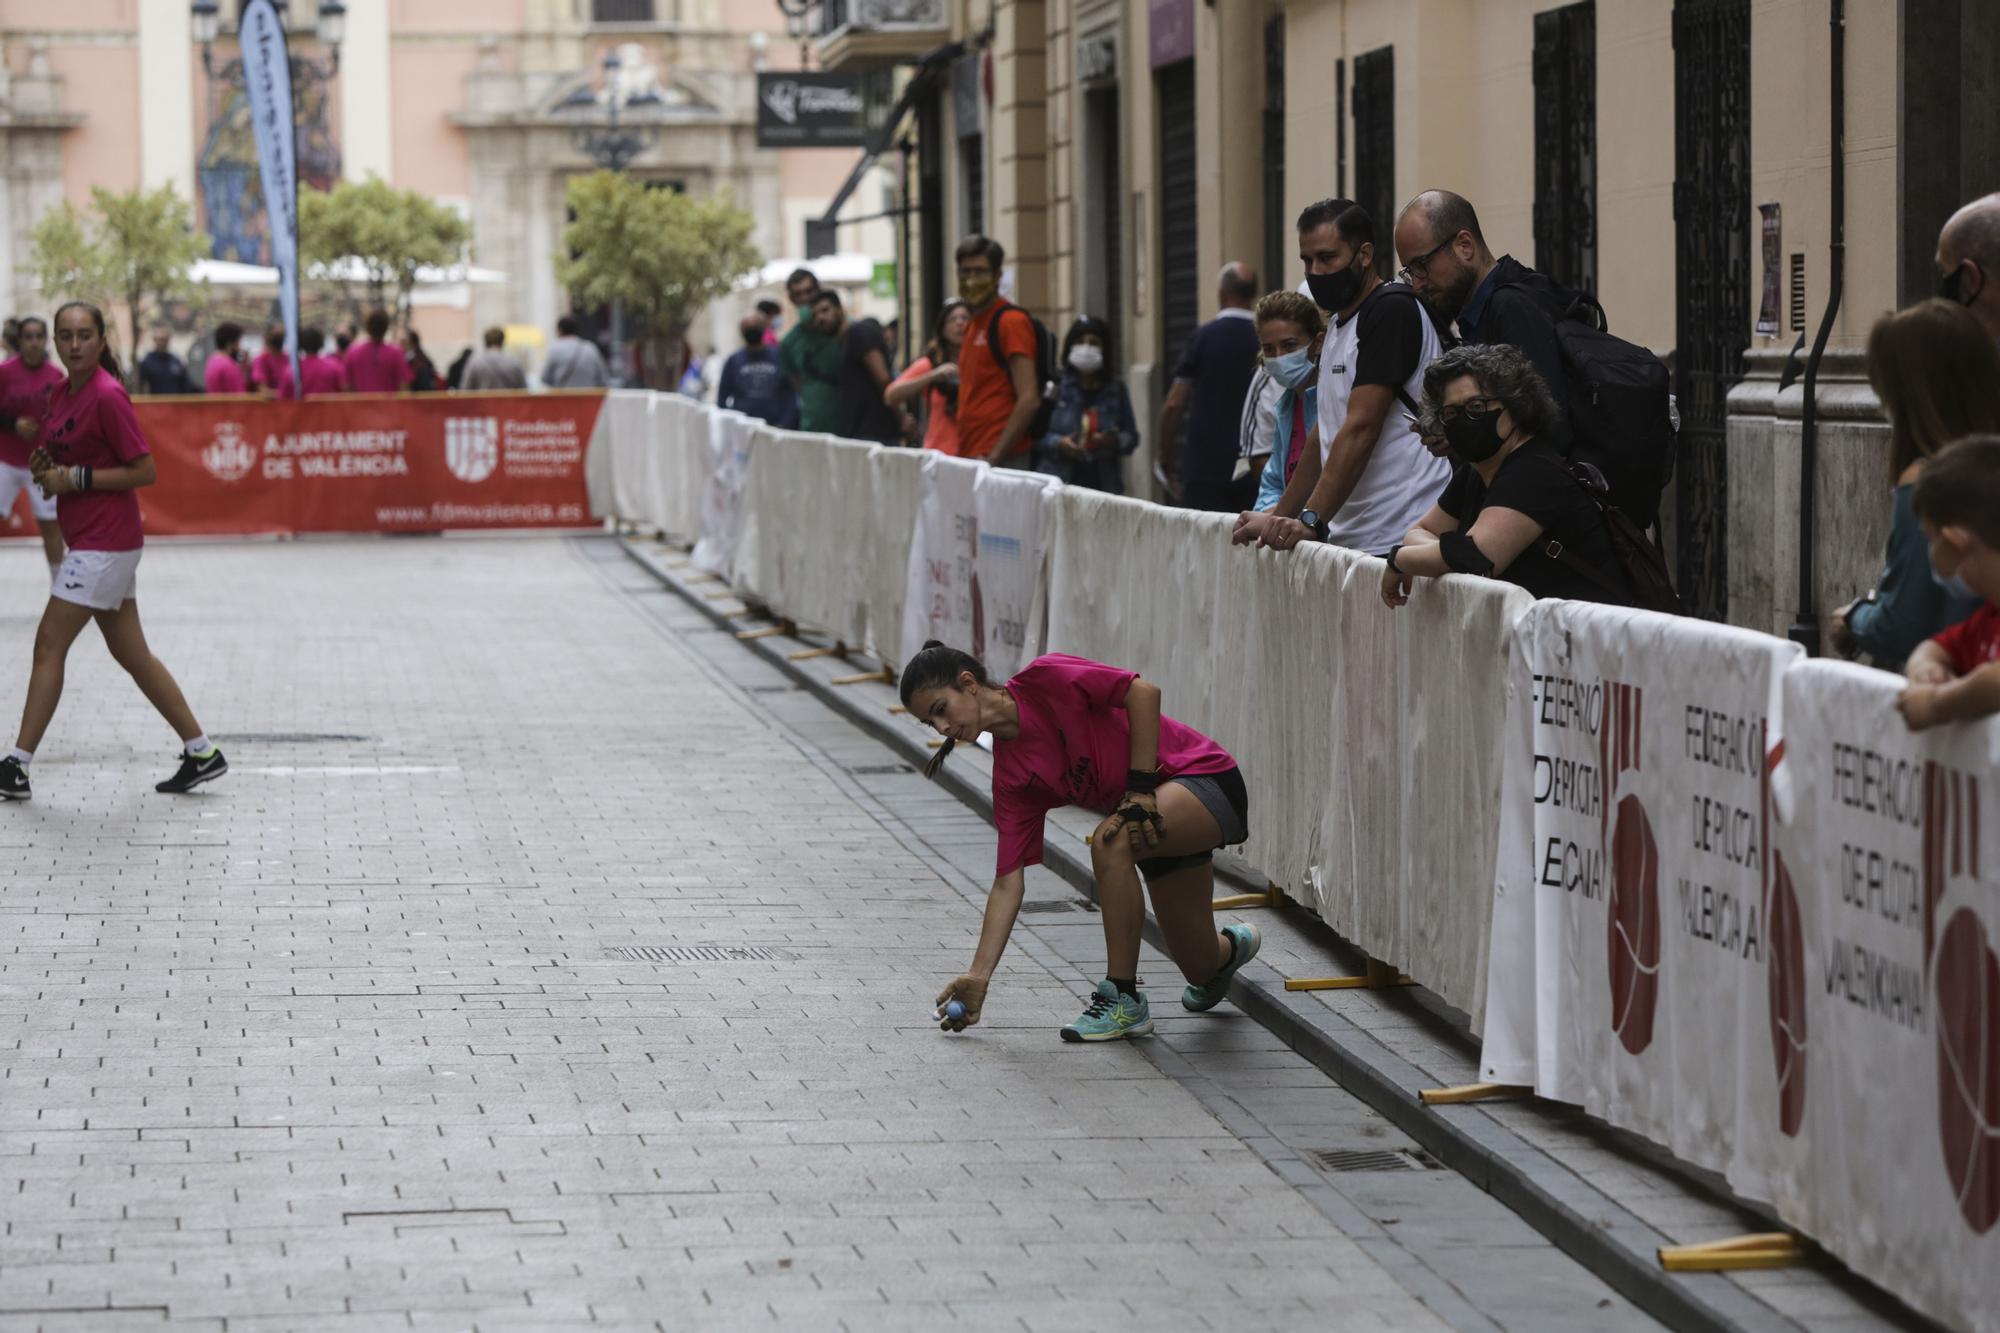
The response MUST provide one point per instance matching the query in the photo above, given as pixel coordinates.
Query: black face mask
(1474, 436)
(1952, 286)
(1334, 291)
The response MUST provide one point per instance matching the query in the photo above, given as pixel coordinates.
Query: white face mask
(1086, 359)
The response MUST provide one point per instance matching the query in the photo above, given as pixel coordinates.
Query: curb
(1572, 1214)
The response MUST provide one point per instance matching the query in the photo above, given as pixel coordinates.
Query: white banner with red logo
(941, 581)
(1012, 554)
(1886, 1009)
(1632, 914)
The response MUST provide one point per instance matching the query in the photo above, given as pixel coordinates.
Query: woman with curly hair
(1512, 510)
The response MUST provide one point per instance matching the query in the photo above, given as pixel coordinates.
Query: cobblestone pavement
(546, 962)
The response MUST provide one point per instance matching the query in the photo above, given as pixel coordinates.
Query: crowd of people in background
(1434, 419)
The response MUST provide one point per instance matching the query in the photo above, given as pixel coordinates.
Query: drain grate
(880, 769)
(692, 953)
(1052, 905)
(1375, 1159)
(771, 689)
(289, 738)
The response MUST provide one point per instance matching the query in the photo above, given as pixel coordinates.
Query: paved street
(546, 962)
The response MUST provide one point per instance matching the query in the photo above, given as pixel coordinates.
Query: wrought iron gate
(1278, 245)
(1180, 189)
(1375, 147)
(1712, 278)
(1566, 145)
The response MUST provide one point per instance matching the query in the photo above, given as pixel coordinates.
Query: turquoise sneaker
(1246, 941)
(1111, 1015)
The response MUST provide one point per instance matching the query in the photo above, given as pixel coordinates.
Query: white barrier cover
(1010, 566)
(1884, 1008)
(627, 415)
(677, 466)
(782, 532)
(729, 436)
(1628, 917)
(896, 478)
(840, 569)
(941, 597)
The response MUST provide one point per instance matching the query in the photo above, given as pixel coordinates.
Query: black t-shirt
(863, 414)
(1390, 340)
(1219, 362)
(1534, 481)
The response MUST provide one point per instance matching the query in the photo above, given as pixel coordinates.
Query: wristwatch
(1315, 522)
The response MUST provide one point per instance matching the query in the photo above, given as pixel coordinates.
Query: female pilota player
(93, 459)
(1069, 731)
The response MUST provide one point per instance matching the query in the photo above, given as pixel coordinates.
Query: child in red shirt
(1069, 731)
(93, 458)
(1956, 676)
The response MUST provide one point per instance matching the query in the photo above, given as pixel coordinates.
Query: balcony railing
(882, 15)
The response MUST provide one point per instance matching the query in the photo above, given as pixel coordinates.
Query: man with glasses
(998, 393)
(1502, 300)
(1371, 478)
(811, 357)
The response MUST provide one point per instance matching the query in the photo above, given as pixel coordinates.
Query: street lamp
(206, 19)
(613, 146)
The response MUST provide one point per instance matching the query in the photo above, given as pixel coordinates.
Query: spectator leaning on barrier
(1092, 428)
(160, 371)
(864, 372)
(753, 382)
(1512, 510)
(573, 362)
(323, 374)
(811, 357)
(933, 379)
(224, 371)
(1290, 333)
(1371, 477)
(1214, 371)
(492, 367)
(1968, 261)
(998, 387)
(375, 365)
(1937, 374)
(1956, 676)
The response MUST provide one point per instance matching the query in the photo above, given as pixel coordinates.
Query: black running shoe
(193, 772)
(13, 780)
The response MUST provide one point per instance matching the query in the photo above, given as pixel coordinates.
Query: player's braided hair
(937, 667)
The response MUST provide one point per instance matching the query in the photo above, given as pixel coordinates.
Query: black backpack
(1645, 566)
(1620, 400)
(1047, 373)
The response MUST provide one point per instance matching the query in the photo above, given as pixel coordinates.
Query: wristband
(1142, 780)
(79, 477)
(1392, 557)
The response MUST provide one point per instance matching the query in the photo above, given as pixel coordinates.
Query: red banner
(365, 463)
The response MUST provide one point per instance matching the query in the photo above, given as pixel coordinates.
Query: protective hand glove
(1139, 814)
(969, 991)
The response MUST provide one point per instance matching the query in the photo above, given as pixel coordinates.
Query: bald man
(1968, 260)
(1214, 375)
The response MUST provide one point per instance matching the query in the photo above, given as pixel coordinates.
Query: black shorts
(1228, 800)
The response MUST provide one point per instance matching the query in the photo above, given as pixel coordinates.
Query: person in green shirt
(811, 358)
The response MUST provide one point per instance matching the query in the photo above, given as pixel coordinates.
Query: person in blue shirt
(1937, 374)
(1091, 427)
(1290, 330)
(754, 382)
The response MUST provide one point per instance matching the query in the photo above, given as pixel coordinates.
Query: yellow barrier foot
(700, 578)
(939, 745)
(881, 677)
(1764, 1249)
(1272, 896)
(722, 595)
(807, 654)
(1377, 976)
(894, 709)
(1471, 1092)
(768, 631)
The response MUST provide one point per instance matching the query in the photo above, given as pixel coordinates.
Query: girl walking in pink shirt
(93, 459)
(1069, 731)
